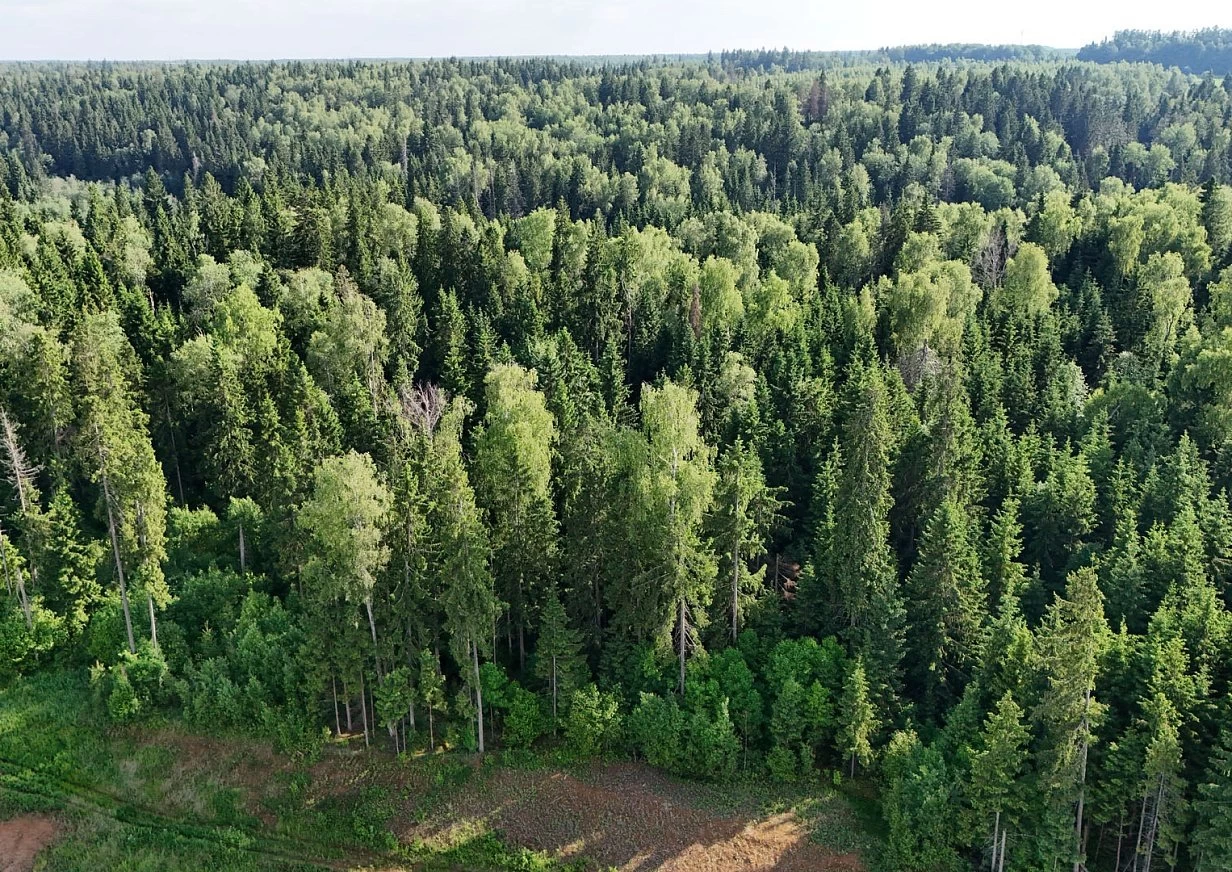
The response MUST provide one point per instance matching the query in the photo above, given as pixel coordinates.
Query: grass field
(157, 798)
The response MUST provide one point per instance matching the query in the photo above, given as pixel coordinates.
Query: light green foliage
(857, 719)
(928, 303)
(1168, 299)
(1028, 287)
(524, 721)
(593, 723)
(513, 470)
(344, 522)
(675, 484)
(996, 789)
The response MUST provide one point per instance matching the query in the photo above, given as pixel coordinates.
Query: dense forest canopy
(1198, 51)
(859, 422)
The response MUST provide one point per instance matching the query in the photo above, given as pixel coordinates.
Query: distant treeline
(766, 60)
(1197, 51)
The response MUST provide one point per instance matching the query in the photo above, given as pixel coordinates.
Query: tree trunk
(376, 652)
(478, 694)
(521, 627)
(333, 683)
(22, 597)
(1141, 830)
(1001, 867)
(363, 707)
(1150, 842)
(1082, 784)
(4, 558)
(243, 552)
(682, 642)
(553, 692)
(347, 694)
(149, 600)
(119, 562)
(1120, 840)
(996, 837)
(175, 455)
(431, 731)
(735, 604)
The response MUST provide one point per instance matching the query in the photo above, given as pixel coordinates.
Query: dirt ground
(21, 838)
(626, 816)
(632, 818)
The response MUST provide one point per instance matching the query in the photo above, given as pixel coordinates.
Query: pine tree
(1161, 784)
(469, 600)
(745, 510)
(948, 605)
(1071, 640)
(857, 718)
(431, 691)
(862, 571)
(558, 655)
(1212, 840)
(997, 766)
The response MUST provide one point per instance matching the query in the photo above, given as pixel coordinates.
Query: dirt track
(21, 839)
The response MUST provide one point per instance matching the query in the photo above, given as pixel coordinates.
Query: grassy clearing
(156, 798)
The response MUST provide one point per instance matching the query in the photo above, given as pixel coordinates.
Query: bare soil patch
(21, 838)
(629, 817)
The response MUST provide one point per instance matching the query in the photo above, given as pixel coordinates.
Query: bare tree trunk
(153, 621)
(1120, 840)
(175, 455)
(996, 837)
(376, 651)
(119, 563)
(683, 633)
(243, 551)
(735, 603)
(1082, 785)
(363, 707)
(1141, 830)
(1001, 867)
(478, 694)
(521, 625)
(4, 557)
(1150, 842)
(431, 731)
(333, 683)
(346, 693)
(22, 598)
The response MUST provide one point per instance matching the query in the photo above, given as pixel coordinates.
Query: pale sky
(242, 29)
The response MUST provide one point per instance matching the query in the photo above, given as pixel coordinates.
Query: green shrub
(525, 721)
(592, 725)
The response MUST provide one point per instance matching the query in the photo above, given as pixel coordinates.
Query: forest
(1197, 51)
(753, 416)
